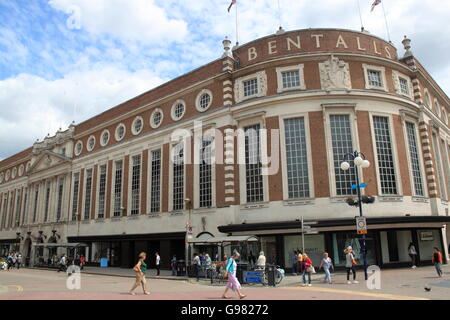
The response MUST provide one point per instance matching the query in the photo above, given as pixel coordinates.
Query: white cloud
(136, 20)
(32, 106)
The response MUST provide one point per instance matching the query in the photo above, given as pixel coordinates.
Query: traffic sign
(361, 225)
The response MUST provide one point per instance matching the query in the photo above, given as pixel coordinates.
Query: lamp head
(345, 166)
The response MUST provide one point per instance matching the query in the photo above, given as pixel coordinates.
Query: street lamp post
(188, 228)
(358, 161)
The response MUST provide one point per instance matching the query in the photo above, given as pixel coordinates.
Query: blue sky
(67, 60)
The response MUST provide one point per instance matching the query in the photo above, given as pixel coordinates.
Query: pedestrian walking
(230, 273)
(173, 265)
(140, 268)
(308, 268)
(412, 252)
(158, 263)
(82, 262)
(261, 263)
(437, 261)
(207, 265)
(327, 264)
(19, 261)
(63, 263)
(9, 261)
(294, 263)
(350, 263)
(197, 265)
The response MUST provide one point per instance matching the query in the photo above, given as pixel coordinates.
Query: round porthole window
(156, 118)
(120, 132)
(91, 143)
(178, 110)
(104, 138)
(204, 100)
(137, 125)
(78, 148)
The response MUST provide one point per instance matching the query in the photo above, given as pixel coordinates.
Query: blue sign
(362, 185)
(103, 263)
(252, 277)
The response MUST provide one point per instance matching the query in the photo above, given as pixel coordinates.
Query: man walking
(197, 263)
(19, 260)
(158, 261)
(63, 263)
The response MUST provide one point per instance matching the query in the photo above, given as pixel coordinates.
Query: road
(398, 284)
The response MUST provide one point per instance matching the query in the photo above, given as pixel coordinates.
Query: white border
(88, 146)
(152, 117)
(117, 129)
(101, 137)
(172, 111)
(197, 100)
(133, 131)
(77, 153)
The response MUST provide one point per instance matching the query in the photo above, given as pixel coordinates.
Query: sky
(68, 60)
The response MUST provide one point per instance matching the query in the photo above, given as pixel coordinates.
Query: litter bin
(271, 275)
(181, 268)
(241, 267)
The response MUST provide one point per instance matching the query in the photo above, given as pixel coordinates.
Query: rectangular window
(291, 79)
(205, 184)
(10, 215)
(102, 192)
(155, 195)
(415, 162)
(88, 189)
(404, 86)
(36, 198)
(47, 202)
(342, 144)
(385, 155)
(250, 87)
(118, 189)
(375, 78)
(178, 178)
(254, 178)
(76, 186)
(60, 198)
(5, 205)
(135, 184)
(296, 158)
(437, 156)
(25, 209)
(17, 215)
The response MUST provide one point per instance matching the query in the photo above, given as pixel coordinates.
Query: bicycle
(279, 275)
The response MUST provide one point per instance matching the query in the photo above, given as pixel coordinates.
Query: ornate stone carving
(334, 74)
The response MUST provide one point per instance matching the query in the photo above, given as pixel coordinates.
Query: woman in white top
(261, 263)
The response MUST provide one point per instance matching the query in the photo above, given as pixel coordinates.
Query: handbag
(311, 269)
(354, 262)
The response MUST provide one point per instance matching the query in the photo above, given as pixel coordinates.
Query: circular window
(91, 143)
(120, 132)
(8, 173)
(14, 173)
(2, 177)
(21, 169)
(178, 110)
(204, 100)
(78, 148)
(156, 118)
(104, 139)
(137, 125)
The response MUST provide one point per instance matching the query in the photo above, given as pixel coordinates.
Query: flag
(231, 4)
(374, 4)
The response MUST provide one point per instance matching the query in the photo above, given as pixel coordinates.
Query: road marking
(368, 294)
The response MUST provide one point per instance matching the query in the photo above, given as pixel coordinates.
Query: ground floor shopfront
(123, 250)
(387, 240)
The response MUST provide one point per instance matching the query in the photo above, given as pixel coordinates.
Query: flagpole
(360, 16)
(279, 13)
(385, 20)
(237, 24)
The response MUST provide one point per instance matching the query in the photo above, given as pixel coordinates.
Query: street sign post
(361, 225)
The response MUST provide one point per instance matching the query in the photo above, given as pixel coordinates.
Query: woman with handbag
(308, 268)
(140, 268)
(230, 272)
(350, 263)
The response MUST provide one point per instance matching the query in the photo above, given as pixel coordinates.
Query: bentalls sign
(314, 41)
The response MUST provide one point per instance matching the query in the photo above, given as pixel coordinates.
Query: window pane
(118, 189)
(135, 184)
(415, 162)
(296, 158)
(291, 79)
(250, 87)
(205, 192)
(254, 179)
(178, 178)
(375, 78)
(87, 202)
(385, 156)
(102, 192)
(155, 196)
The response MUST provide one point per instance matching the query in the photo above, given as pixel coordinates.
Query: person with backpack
(308, 268)
(437, 261)
(327, 264)
(350, 263)
(412, 252)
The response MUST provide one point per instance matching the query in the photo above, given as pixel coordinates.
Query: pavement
(396, 284)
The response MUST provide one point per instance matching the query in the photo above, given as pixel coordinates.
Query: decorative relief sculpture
(334, 74)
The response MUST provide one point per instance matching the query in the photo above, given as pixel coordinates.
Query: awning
(220, 240)
(56, 245)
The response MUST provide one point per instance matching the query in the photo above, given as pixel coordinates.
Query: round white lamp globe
(365, 164)
(358, 161)
(345, 165)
